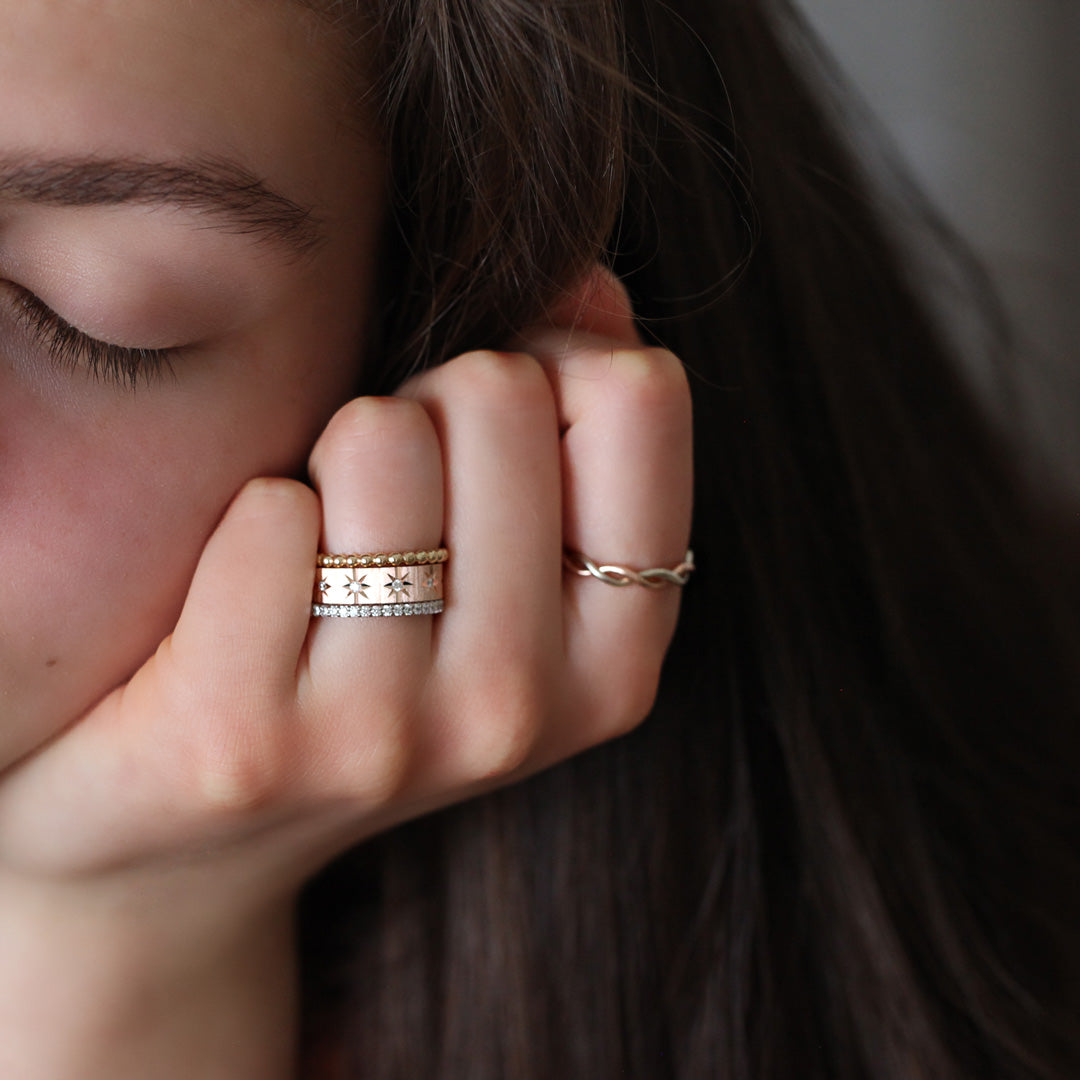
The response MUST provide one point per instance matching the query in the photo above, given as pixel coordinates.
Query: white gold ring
(370, 611)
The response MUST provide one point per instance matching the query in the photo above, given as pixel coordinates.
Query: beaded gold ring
(396, 558)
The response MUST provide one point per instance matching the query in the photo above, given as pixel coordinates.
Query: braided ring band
(655, 578)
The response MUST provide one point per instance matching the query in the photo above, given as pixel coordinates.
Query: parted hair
(844, 844)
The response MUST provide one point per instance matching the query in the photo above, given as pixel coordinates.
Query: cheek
(101, 526)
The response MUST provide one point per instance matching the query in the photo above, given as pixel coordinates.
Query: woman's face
(172, 175)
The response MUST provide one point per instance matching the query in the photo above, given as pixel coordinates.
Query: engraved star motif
(429, 579)
(325, 586)
(357, 585)
(398, 583)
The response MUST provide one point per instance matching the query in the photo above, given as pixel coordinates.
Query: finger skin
(245, 617)
(499, 642)
(224, 685)
(378, 471)
(220, 753)
(599, 305)
(204, 730)
(627, 466)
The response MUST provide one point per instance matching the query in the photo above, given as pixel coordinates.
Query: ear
(597, 303)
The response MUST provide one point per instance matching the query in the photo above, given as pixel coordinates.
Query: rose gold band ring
(364, 586)
(411, 582)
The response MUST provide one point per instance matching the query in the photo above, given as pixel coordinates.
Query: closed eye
(71, 347)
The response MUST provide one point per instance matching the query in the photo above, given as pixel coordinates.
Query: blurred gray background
(983, 99)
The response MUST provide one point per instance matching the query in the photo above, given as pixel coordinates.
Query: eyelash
(74, 349)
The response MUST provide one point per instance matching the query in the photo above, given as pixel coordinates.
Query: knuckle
(274, 490)
(269, 499)
(492, 380)
(241, 767)
(368, 423)
(628, 704)
(374, 771)
(502, 732)
(652, 379)
(231, 756)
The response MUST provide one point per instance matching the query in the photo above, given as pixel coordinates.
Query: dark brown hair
(844, 844)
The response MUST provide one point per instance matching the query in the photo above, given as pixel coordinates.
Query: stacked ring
(411, 582)
(365, 586)
(396, 558)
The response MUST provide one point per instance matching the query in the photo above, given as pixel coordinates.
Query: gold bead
(410, 558)
(396, 559)
(365, 561)
(379, 560)
(339, 561)
(351, 561)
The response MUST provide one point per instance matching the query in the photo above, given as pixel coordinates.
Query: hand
(183, 813)
(256, 744)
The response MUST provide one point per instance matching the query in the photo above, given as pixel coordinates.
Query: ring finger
(378, 471)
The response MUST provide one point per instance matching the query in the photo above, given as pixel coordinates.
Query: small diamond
(398, 583)
(364, 611)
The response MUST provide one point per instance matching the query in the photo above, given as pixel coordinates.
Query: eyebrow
(222, 189)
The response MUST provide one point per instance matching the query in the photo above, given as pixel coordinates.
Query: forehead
(253, 81)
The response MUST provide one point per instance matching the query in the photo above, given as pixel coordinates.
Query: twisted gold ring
(655, 578)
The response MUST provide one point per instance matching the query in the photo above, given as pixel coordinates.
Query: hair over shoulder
(844, 844)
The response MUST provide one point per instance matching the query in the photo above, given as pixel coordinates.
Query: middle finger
(500, 640)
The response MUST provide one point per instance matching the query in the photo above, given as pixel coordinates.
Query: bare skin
(95, 480)
(183, 746)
